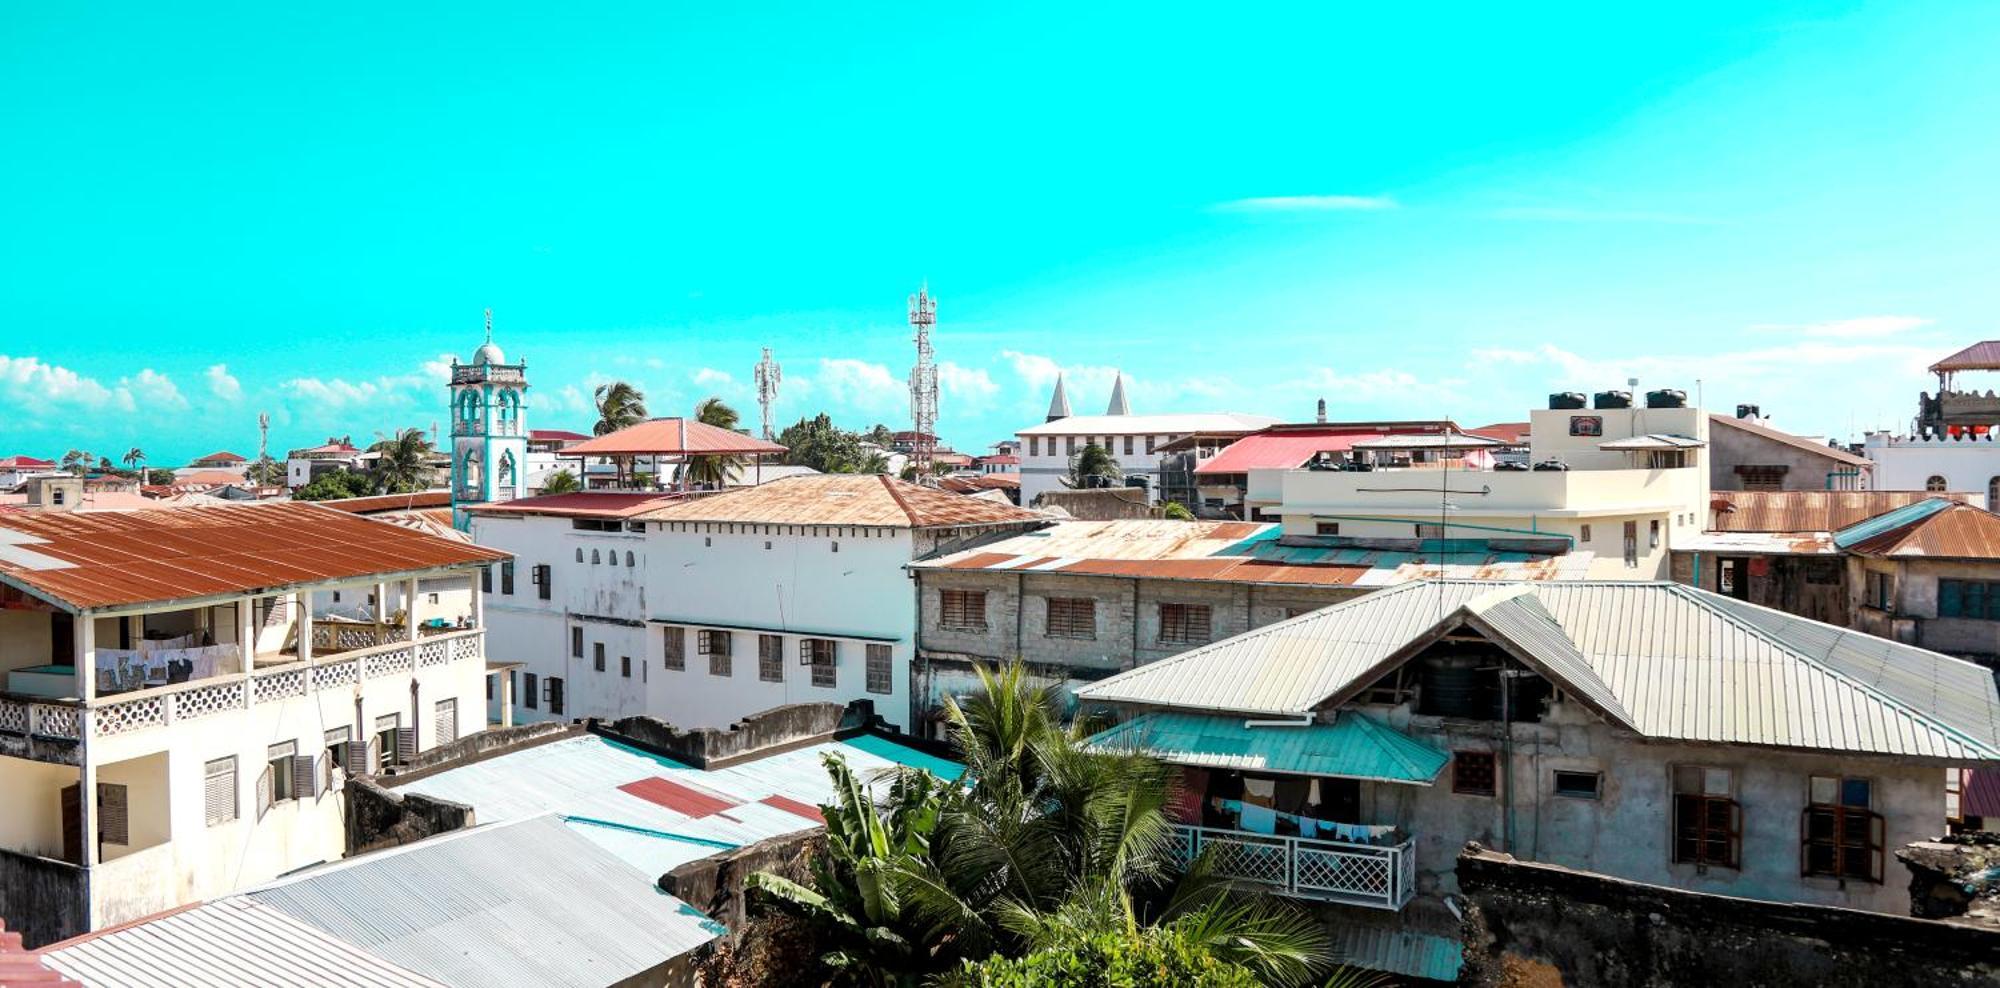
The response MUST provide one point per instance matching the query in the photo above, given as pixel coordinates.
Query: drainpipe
(1020, 614)
(1506, 761)
(1135, 622)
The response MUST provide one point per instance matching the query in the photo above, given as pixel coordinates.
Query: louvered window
(1184, 624)
(339, 760)
(382, 749)
(447, 721)
(716, 645)
(676, 649)
(880, 670)
(771, 658)
(1072, 617)
(962, 610)
(219, 790)
(114, 818)
(821, 654)
(278, 784)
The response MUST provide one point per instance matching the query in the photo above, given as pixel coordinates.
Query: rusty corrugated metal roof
(581, 504)
(1806, 511)
(1979, 356)
(672, 437)
(114, 558)
(1956, 531)
(390, 502)
(844, 499)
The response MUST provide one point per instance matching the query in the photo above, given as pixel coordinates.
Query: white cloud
(1859, 328)
(972, 386)
(710, 377)
(32, 386)
(152, 390)
(222, 384)
(393, 392)
(1562, 214)
(860, 386)
(1305, 204)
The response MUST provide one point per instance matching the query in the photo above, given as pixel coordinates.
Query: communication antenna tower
(768, 375)
(923, 383)
(263, 436)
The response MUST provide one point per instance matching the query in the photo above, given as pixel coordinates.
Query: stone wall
(715, 884)
(1548, 926)
(42, 899)
(379, 817)
(479, 747)
(764, 733)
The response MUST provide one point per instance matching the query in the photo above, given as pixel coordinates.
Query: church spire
(1059, 405)
(1118, 405)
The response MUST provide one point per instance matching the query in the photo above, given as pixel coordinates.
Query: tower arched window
(1935, 485)
(468, 475)
(507, 469)
(595, 558)
(468, 405)
(579, 554)
(628, 559)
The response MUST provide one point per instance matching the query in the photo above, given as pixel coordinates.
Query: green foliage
(77, 461)
(1159, 959)
(1176, 511)
(336, 485)
(1094, 466)
(265, 472)
(818, 443)
(157, 477)
(714, 471)
(619, 405)
(561, 482)
(404, 464)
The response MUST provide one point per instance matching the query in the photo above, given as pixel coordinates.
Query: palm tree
(77, 461)
(561, 482)
(1094, 466)
(714, 471)
(133, 457)
(619, 406)
(403, 462)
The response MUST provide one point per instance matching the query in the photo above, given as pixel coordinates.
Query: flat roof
(82, 560)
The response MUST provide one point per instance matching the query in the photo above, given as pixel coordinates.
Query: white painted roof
(232, 943)
(1150, 425)
(1677, 662)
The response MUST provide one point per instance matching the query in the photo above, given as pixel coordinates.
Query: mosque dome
(488, 353)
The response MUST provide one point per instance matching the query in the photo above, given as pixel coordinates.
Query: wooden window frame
(1179, 623)
(1073, 618)
(880, 674)
(1695, 842)
(1596, 790)
(1475, 773)
(1837, 838)
(962, 610)
(716, 644)
(770, 658)
(674, 649)
(825, 674)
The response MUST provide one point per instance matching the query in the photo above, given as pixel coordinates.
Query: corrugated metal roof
(1948, 530)
(1352, 747)
(1984, 355)
(107, 559)
(230, 943)
(1282, 450)
(1682, 664)
(582, 504)
(530, 902)
(672, 437)
(1652, 440)
(1806, 511)
(1404, 952)
(1758, 543)
(844, 499)
(389, 502)
(1516, 616)
(1212, 423)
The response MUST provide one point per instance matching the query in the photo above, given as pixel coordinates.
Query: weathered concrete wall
(715, 884)
(43, 900)
(379, 818)
(1547, 926)
(35, 749)
(1810, 586)
(758, 734)
(479, 747)
(1731, 447)
(1915, 594)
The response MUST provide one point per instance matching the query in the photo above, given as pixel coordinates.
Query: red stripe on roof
(795, 807)
(677, 797)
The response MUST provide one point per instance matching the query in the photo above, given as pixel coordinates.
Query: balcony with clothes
(1286, 804)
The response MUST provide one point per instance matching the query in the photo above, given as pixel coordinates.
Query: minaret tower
(489, 431)
(923, 383)
(768, 375)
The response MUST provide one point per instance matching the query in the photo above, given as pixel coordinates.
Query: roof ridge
(908, 512)
(1700, 598)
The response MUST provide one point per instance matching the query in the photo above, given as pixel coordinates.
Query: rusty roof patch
(110, 559)
(844, 499)
(1806, 511)
(1960, 531)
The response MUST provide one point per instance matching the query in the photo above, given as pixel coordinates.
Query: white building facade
(1964, 463)
(1132, 440)
(700, 611)
(489, 429)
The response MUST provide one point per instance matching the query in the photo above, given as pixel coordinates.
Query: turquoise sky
(211, 210)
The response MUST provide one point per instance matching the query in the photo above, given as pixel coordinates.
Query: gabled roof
(1511, 433)
(1839, 456)
(1931, 529)
(25, 463)
(1678, 663)
(1979, 356)
(1806, 511)
(113, 558)
(672, 437)
(390, 502)
(221, 455)
(844, 499)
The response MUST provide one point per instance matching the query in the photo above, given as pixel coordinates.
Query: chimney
(1322, 412)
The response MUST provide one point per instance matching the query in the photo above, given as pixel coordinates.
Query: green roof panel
(1354, 746)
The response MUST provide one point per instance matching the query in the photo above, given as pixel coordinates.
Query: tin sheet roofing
(1759, 543)
(844, 499)
(583, 504)
(1352, 747)
(1651, 441)
(1398, 951)
(230, 943)
(529, 902)
(1806, 511)
(672, 437)
(1933, 529)
(1280, 450)
(1211, 423)
(1984, 355)
(113, 558)
(390, 502)
(1681, 663)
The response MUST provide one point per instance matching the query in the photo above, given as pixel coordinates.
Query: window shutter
(374, 754)
(447, 721)
(72, 823)
(406, 744)
(219, 791)
(303, 778)
(113, 821)
(263, 792)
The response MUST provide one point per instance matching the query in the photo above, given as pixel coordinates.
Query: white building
(701, 610)
(16, 470)
(1630, 482)
(1132, 440)
(222, 716)
(489, 429)
(303, 466)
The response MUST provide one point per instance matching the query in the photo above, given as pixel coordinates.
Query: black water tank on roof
(1614, 399)
(1454, 686)
(1567, 400)
(1667, 398)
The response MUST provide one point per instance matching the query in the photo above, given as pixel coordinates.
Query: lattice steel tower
(768, 375)
(923, 383)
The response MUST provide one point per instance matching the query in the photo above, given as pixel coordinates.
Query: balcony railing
(1380, 876)
(160, 706)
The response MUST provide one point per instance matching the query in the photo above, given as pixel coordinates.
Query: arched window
(1993, 493)
(579, 554)
(1935, 484)
(469, 476)
(468, 405)
(628, 559)
(611, 558)
(594, 558)
(507, 469)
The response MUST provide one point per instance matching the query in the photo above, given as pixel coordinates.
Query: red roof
(26, 463)
(390, 502)
(1511, 433)
(673, 437)
(582, 504)
(327, 448)
(221, 456)
(1282, 451)
(1979, 356)
(207, 478)
(113, 558)
(1959, 531)
(553, 435)
(1003, 459)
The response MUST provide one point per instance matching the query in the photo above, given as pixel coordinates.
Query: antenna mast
(923, 382)
(263, 436)
(768, 375)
